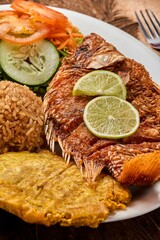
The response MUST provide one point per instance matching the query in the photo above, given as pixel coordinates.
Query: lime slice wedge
(98, 83)
(111, 117)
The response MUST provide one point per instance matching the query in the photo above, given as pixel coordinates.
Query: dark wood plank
(146, 227)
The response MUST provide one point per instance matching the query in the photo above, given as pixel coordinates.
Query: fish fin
(92, 169)
(143, 169)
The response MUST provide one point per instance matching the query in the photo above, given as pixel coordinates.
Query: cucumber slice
(31, 64)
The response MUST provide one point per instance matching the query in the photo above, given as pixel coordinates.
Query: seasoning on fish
(64, 114)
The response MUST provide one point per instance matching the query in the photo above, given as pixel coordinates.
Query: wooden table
(119, 13)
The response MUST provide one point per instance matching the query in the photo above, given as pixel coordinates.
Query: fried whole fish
(41, 188)
(64, 116)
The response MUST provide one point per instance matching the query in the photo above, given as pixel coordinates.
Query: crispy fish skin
(143, 160)
(144, 94)
(41, 188)
(64, 113)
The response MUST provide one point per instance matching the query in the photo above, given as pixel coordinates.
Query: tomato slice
(38, 35)
(6, 13)
(41, 13)
(19, 28)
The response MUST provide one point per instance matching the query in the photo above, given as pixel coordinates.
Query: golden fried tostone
(42, 188)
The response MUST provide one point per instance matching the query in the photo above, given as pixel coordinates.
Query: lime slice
(111, 117)
(98, 83)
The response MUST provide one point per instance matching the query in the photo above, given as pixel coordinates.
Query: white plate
(144, 199)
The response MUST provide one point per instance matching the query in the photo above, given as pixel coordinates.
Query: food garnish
(18, 28)
(41, 13)
(100, 82)
(111, 117)
(64, 114)
(32, 64)
(30, 22)
(23, 31)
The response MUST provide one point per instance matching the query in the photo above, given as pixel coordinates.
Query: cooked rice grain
(21, 118)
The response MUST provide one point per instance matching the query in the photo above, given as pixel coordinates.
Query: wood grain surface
(119, 13)
(145, 227)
